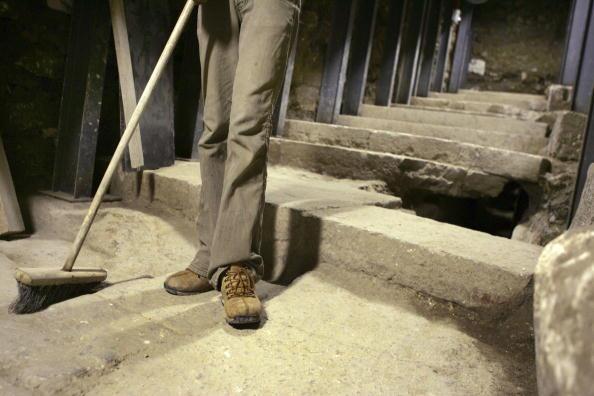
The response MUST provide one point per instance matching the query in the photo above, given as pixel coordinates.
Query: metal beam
(585, 79)
(387, 74)
(444, 42)
(337, 55)
(574, 41)
(82, 95)
(431, 28)
(460, 58)
(361, 45)
(147, 40)
(410, 52)
(282, 105)
(188, 104)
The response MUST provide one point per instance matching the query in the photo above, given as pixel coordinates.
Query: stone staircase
(361, 294)
(311, 218)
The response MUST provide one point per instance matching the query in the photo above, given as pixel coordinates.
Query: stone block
(559, 97)
(565, 142)
(456, 119)
(564, 315)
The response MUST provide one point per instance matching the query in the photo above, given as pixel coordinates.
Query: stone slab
(509, 164)
(411, 251)
(506, 141)
(486, 108)
(524, 101)
(134, 338)
(178, 184)
(473, 269)
(455, 119)
(564, 315)
(400, 173)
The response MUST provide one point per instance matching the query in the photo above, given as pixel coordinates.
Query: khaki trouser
(244, 47)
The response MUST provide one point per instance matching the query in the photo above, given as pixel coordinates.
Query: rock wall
(521, 42)
(33, 48)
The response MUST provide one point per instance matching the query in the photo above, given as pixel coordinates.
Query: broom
(38, 287)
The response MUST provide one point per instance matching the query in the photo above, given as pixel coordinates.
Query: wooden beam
(149, 27)
(126, 78)
(362, 43)
(392, 43)
(582, 93)
(410, 52)
(82, 95)
(337, 55)
(577, 25)
(11, 220)
(429, 41)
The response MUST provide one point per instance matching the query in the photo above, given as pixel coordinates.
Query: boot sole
(243, 320)
(181, 293)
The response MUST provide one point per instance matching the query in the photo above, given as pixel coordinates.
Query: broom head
(39, 288)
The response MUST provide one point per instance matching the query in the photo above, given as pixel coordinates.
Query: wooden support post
(429, 41)
(577, 25)
(82, 95)
(356, 80)
(282, 105)
(387, 74)
(410, 52)
(586, 159)
(463, 41)
(582, 93)
(337, 56)
(188, 104)
(444, 42)
(148, 30)
(126, 78)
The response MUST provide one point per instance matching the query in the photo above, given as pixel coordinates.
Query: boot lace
(238, 284)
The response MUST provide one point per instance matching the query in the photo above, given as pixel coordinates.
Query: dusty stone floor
(329, 332)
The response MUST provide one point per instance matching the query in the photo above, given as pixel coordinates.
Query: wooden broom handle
(127, 135)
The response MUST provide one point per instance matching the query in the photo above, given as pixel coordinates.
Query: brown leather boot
(242, 306)
(186, 282)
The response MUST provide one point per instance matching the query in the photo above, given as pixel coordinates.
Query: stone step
(496, 109)
(455, 119)
(125, 339)
(513, 142)
(348, 229)
(509, 164)
(524, 101)
(400, 173)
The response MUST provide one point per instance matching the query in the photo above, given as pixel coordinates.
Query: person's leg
(264, 44)
(218, 36)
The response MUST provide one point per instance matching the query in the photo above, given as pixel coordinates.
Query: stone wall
(33, 48)
(521, 42)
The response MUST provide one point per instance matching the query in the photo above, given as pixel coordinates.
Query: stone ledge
(513, 142)
(509, 164)
(400, 173)
(524, 101)
(455, 119)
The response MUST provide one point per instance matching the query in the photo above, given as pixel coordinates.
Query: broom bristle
(37, 298)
